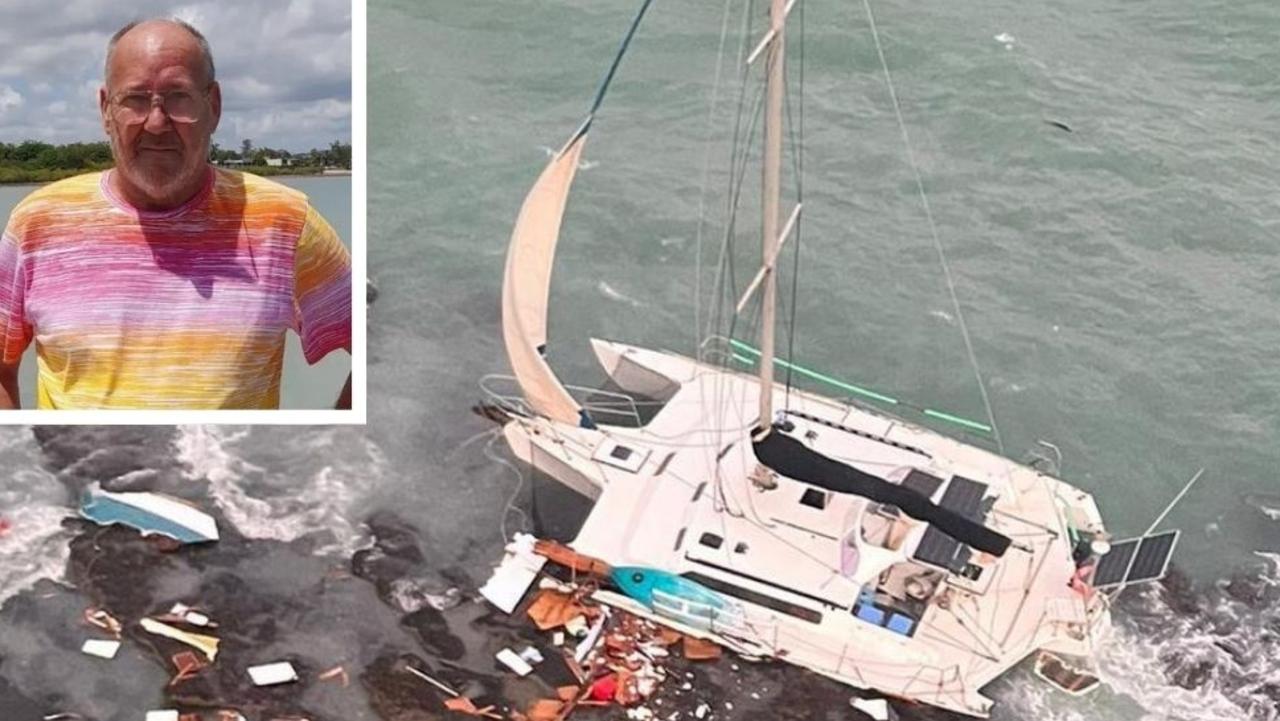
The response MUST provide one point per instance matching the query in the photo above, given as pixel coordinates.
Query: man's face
(160, 160)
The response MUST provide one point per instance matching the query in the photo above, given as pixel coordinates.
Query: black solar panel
(1135, 560)
(964, 496)
(923, 483)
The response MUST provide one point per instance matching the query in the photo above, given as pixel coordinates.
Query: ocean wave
(285, 487)
(33, 543)
(1187, 655)
(34, 546)
(613, 294)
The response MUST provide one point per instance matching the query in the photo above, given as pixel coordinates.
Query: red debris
(604, 688)
(188, 665)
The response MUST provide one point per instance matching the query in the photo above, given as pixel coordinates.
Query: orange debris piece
(545, 709)
(553, 609)
(462, 704)
(696, 649)
(569, 558)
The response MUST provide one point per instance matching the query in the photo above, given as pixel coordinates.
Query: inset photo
(177, 194)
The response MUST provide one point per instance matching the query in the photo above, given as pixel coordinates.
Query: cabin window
(814, 498)
(680, 539)
(711, 540)
(740, 547)
(622, 453)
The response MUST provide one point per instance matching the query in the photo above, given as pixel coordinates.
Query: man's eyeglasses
(182, 106)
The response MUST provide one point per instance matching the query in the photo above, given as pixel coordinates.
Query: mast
(770, 197)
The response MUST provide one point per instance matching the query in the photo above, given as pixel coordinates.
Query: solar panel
(1136, 560)
(963, 496)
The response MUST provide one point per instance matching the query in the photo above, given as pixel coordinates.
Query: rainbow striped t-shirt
(178, 309)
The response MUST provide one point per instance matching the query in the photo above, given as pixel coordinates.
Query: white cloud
(10, 99)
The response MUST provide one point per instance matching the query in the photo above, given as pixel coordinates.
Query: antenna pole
(772, 175)
(1174, 502)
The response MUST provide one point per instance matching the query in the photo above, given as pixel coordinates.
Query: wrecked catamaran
(784, 524)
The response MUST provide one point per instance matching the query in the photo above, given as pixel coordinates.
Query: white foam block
(513, 661)
(100, 648)
(876, 708)
(513, 576)
(271, 674)
(165, 715)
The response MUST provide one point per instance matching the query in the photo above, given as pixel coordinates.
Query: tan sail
(527, 285)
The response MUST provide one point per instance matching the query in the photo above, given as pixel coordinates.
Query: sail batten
(526, 286)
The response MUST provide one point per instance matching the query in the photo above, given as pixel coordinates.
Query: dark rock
(434, 634)
(16, 707)
(394, 693)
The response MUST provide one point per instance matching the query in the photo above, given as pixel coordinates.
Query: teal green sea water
(1119, 278)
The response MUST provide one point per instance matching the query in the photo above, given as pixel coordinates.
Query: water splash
(1184, 655)
(613, 294)
(284, 485)
(33, 544)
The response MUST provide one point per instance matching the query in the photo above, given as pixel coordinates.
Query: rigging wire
(933, 228)
(706, 174)
(797, 145)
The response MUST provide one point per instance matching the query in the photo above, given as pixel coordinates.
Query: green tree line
(34, 161)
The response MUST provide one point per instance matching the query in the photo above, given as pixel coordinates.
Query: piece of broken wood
(553, 609)
(563, 555)
(697, 649)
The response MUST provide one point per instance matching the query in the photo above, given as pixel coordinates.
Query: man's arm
(9, 387)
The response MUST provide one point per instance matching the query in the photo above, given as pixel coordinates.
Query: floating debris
(100, 648)
(98, 618)
(512, 577)
(337, 672)
(876, 708)
(438, 684)
(182, 613)
(208, 645)
(462, 704)
(149, 513)
(697, 649)
(187, 665)
(513, 661)
(163, 715)
(272, 674)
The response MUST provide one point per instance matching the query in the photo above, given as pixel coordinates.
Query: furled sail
(794, 459)
(526, 286)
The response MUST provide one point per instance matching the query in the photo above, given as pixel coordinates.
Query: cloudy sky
(284, 67)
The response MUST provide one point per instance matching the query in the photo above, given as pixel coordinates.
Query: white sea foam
(583, 164)
(613, 294)
(943, 316)
(305, 496)
(32, 504)
(1223, 648)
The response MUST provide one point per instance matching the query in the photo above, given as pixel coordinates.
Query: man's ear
(104, 107)
(215, 104)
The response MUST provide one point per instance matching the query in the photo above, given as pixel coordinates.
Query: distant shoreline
(43, 177)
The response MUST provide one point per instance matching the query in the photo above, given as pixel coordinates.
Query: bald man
(166, 283)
